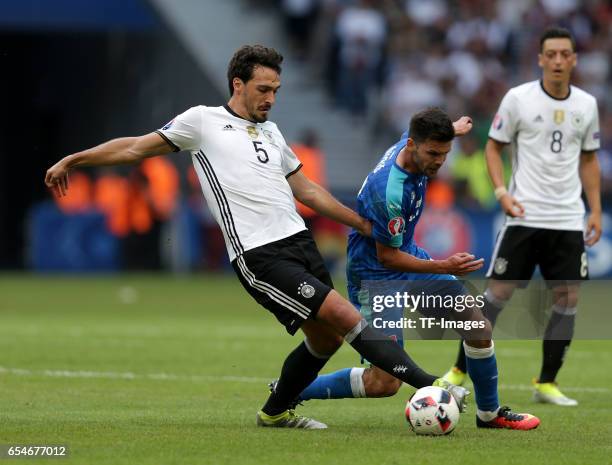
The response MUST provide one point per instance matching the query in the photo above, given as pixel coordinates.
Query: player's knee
(480, 330)
(483, 338)
(339, 313)
(486, 333)
(500, 293)
(381, 386)
(566, 297)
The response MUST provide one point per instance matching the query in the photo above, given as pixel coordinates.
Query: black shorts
(288, 277)
(559, 254)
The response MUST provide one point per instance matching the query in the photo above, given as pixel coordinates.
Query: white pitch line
(129, 375)
(239, 379)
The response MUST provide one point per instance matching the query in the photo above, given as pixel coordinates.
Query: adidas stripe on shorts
(288, 277)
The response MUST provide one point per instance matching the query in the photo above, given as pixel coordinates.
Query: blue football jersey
(393, 200)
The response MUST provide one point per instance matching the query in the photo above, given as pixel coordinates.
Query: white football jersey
(243, 169)
(548, 135)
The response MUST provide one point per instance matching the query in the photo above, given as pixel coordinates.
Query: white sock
(476, 352)
(486, 415)
(357, 385)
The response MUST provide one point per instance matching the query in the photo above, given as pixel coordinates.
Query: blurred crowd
(383, 60)
(135, 202)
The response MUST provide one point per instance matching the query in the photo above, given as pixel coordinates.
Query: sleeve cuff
(497, 139)
(175, 148)
(386, 241)
(294, 171)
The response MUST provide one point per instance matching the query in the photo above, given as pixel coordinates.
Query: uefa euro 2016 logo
(396, 226)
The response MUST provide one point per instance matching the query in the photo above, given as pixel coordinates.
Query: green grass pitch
(162, 370)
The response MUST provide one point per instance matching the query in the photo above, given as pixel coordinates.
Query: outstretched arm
(121, 151)
(394, 259)
(321, 201)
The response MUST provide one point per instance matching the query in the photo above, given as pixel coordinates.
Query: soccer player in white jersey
(250, 177)
(554, 128)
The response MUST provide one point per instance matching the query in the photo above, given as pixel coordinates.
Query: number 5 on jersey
(262, 154)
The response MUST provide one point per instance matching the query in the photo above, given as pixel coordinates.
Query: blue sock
(482, 368)
(340, 384)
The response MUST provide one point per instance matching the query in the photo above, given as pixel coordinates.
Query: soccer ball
(433, 411)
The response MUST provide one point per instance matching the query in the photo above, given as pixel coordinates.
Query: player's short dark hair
(248, 57)
(432, 124)
(557, 32)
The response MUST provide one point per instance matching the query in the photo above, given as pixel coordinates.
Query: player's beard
(255, 114)
(427, 170)
(258, 117)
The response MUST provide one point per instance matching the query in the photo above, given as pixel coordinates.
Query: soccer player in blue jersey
(392, 198)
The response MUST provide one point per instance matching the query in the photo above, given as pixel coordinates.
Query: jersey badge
(500, 266)
(559, 116)
(396, 226)
(252, 130)
(498, 122)
(268, 135)
(577, 119)
(306, 290)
